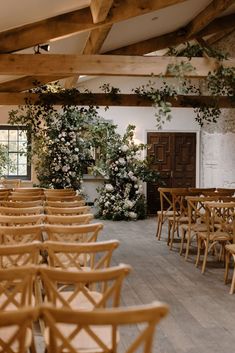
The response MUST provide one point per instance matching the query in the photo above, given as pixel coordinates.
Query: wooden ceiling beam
(74, 22)
(24, 83)
(107, 65)
(173, 38)
(215, 8)
(124, 100)
(100, 9)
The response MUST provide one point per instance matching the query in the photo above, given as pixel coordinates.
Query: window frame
(29, 167)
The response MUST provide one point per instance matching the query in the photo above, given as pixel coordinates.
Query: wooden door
(174, 156)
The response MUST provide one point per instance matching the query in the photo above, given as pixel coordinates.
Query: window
(17, 141)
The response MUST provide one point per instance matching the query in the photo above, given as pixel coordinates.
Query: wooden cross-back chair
(196, 220)
(22, 204)
(69, 220)
(21, 220)
(12, 235)
(83, 290)
(66, 204)
(230, 252)
(166, 209)
(180, 213)
(98, 331)
(20, 255)
(219, 222)
(67, 210)
(73, 233)
(21, 210)
(84, 256)
(16, 331)
(11, 183)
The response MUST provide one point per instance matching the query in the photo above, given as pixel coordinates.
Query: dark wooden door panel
(173, 155)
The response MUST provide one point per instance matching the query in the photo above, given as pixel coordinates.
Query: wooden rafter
(60, 64)
(100, 9)
(74, 22)
(206, 16)
(24, 83)
(173, 38)
(125, 100)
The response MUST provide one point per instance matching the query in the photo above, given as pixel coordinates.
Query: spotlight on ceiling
(37, 48)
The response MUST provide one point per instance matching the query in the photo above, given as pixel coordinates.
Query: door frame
(198, 151)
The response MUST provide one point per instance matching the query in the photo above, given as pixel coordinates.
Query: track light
(37, 48)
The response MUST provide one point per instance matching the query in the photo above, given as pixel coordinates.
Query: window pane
(16, 142)
(22, 159)
(22, 146)
(13, 135)
(13, 170)
(3, 135)
(13, 146)
(13, 158)
(22, 135)
(22, 169)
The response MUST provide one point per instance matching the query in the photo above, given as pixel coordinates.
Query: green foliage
(121, 198)
(60, 139)
(4, 159)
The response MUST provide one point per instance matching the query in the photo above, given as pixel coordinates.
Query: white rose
(132, 215)
(122, 161)
(109, 187)
(124, 148)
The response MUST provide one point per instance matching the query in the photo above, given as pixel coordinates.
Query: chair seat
(169, 213)
(216, 236)
(83, 342)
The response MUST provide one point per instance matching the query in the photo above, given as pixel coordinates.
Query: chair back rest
(16, 327)
(65, 204)
(201, 191)
(29, 191)
(69, 220)
(11, 183)
(20, 255)
(220, 216)
(59, 192)
(85, 290)
(67, 211)
(79, 233)
(9, 220)
(12, 235)
(64, 198)
(88, 325)
(18, 196)
(16, 287)
(226, 191)
(67, 256)
(21, 210)
(22, 204)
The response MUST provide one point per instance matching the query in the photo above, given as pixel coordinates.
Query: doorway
(173, 155)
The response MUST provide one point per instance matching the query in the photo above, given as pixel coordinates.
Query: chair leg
(199, 243)
(233, 281)
(183, 233)
(172, 234)
(169, 233)
(159, 227)
(227, 260)
(205, 257)
(188, 245)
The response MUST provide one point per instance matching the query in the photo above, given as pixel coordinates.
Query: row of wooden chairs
(81, 326)
(209, 218)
